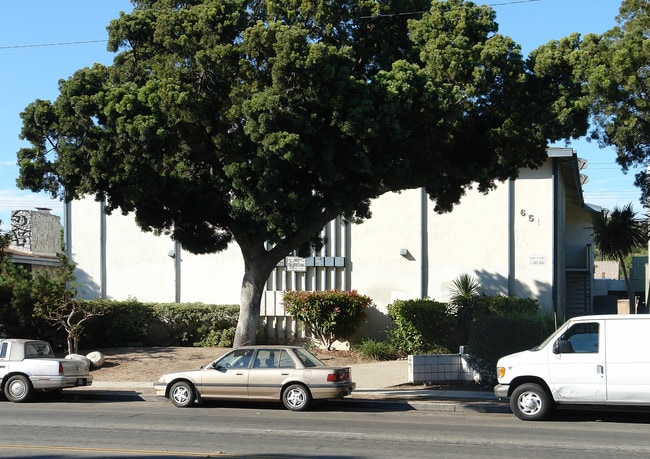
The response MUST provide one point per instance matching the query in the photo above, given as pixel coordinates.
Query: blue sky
(43, 41)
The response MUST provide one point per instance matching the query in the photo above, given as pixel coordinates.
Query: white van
(596, 360)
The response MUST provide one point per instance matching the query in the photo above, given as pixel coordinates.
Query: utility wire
(53, 44)
(69, 43)
(412, 13)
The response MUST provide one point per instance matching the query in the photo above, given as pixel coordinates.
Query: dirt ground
(147, 364)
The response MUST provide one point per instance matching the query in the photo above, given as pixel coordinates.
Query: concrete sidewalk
(380, 385)
(380, 374)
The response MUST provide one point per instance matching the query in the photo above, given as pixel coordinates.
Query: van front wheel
(531, 402)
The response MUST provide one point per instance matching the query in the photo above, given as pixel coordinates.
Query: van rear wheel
(531, 402)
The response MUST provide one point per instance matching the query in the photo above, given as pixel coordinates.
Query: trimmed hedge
(492, 337)
(493, 327)
(504, 306)
(131, 323)
(421, 326)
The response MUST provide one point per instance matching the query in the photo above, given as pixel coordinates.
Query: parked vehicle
(29, 365)
(289, 374)
(589, 360)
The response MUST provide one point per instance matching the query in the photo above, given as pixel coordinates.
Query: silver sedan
(289, 374)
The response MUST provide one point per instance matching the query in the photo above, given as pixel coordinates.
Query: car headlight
(162, 379)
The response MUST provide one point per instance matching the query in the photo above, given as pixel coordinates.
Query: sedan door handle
(600, 369)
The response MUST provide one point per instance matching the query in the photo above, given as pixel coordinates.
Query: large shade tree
(618, 73)
(259, 121)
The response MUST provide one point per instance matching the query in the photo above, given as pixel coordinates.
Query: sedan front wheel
(296, 397)
(182, 394)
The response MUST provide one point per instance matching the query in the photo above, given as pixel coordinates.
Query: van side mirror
(562, 346)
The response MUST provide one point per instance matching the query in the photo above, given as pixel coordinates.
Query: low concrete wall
(440, 369)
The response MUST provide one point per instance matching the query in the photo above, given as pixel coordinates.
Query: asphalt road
(72, 429)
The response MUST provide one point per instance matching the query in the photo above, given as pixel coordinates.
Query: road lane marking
(143, 452)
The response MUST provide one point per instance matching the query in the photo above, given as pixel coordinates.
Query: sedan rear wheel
(296, 397)
(18, 389)
(182, 394)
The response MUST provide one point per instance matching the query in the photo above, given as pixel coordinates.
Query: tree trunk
(258, 265)
(249, 311)
(71, 349)
(629, 287)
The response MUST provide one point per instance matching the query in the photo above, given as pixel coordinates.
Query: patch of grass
(376, 350)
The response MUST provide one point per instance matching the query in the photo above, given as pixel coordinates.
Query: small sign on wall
(537, 259)
(296, 264)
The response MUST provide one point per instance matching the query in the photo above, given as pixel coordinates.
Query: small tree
(329, 316)
(56, 303)
(617, 235)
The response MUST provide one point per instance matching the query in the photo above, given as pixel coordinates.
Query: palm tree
(617, 235)
(464, 290)
(462, 304)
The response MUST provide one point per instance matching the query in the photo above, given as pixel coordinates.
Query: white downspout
(424, 244)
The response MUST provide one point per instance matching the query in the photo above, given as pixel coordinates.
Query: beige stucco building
(527, 238)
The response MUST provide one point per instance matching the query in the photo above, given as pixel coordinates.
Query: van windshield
(543, 344)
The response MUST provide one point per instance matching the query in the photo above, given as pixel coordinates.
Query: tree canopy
(258, 122)
(618, 77)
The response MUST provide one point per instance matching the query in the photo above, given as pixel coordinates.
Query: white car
(28, 365)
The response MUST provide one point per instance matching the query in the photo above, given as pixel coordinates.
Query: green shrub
(190, 324)
(222, 338)
(121, 324)
(504, 306)
(421, 326)
(16, 298)
(492, 337)
(476, 307)
(131, 323)
(376, 350)
(329, 316)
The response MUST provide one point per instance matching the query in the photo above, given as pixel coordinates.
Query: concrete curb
(447, 405)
